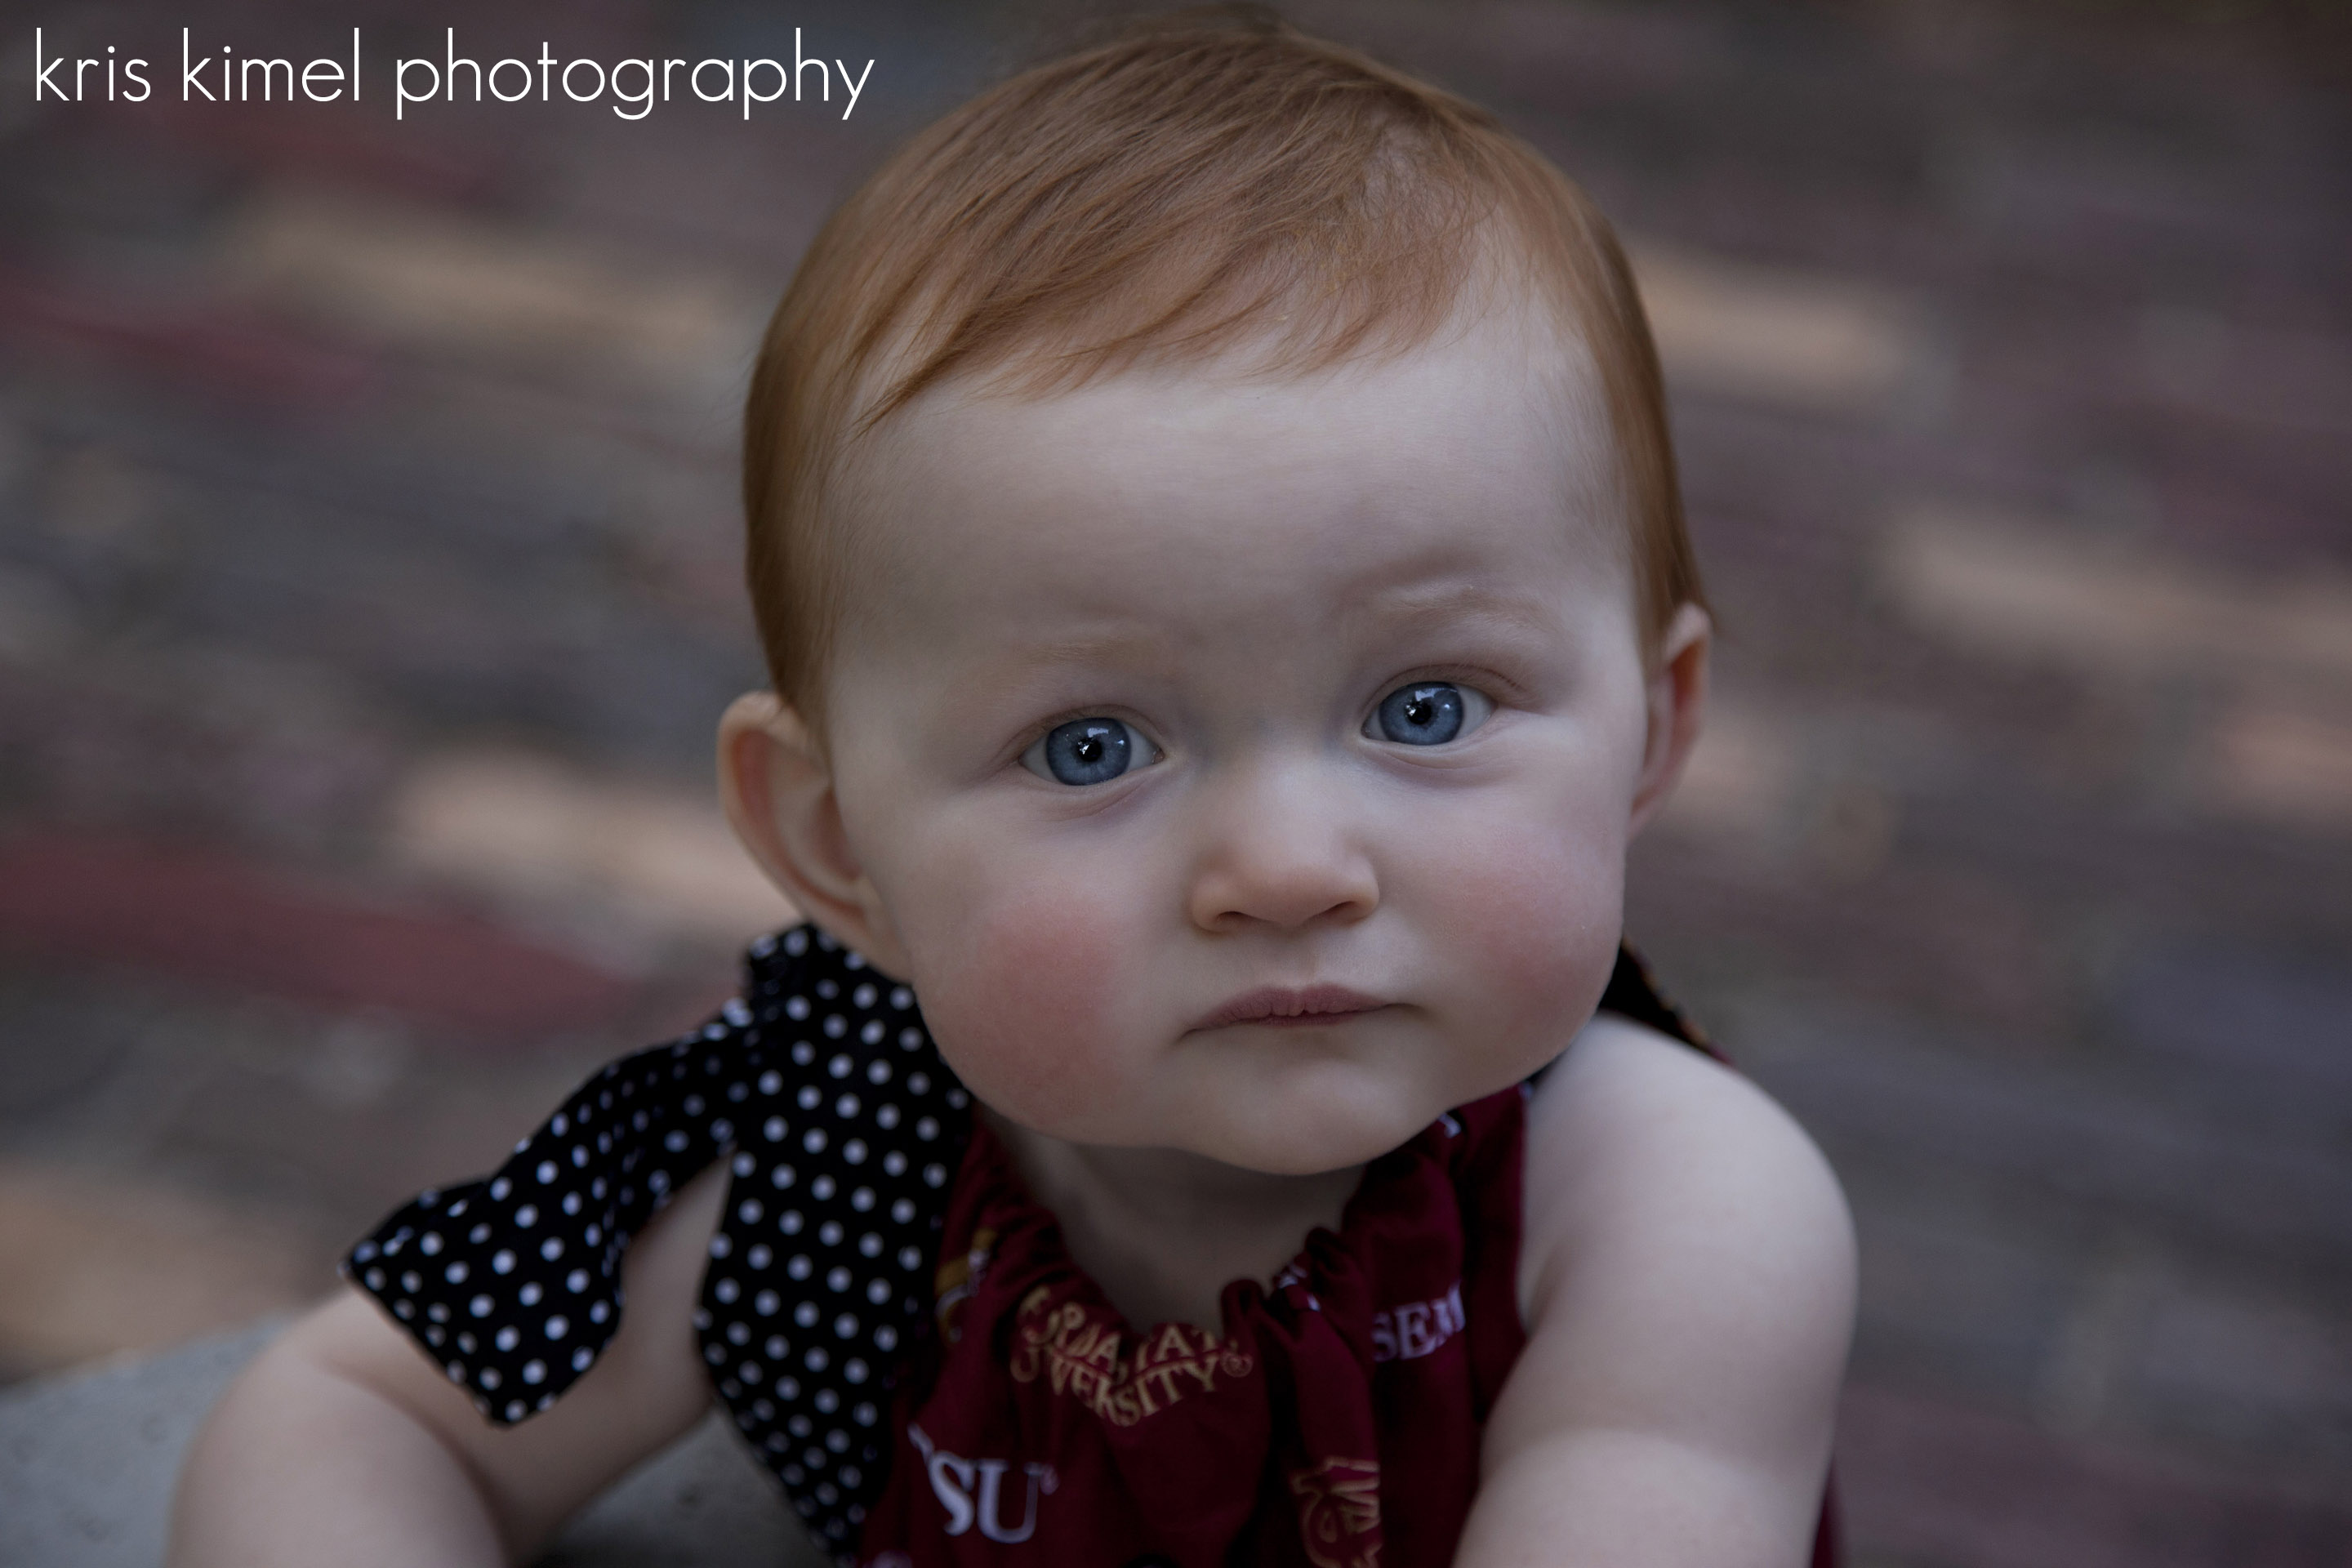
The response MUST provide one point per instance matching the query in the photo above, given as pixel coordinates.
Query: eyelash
(1496, 688)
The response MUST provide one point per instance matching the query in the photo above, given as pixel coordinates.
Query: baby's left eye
(1428, 713)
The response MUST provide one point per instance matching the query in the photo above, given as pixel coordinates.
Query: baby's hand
(1688, 1280)
(342, 1443)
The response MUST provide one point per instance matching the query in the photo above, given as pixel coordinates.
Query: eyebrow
(1049, 656)
(1405, 608)
(1416, 605)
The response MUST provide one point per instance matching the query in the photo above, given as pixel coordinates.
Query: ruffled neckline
(1328, 1264)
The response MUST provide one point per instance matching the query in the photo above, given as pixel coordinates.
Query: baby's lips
(1292, 1005)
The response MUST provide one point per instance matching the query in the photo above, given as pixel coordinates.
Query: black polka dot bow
(845, 1129)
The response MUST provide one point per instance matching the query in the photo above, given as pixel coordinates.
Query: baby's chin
(1297, 1131)
(1290, 1130)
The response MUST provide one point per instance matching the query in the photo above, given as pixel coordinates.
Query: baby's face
(1185, 697)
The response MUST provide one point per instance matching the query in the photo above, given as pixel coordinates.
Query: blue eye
(1088, 751)
(1426, 713)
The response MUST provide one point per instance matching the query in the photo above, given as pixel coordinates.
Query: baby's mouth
(1281, 1007)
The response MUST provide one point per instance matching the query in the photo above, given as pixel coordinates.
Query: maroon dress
(1334, 1421)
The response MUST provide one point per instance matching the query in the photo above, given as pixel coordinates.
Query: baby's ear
(777, 789)
(1676, 700)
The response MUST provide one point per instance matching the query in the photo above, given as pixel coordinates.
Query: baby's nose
(1277, 848)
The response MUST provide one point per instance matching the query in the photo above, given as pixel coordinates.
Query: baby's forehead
(1485, 448)
(1504, 377)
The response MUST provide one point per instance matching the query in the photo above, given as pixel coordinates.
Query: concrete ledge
(86, 1463)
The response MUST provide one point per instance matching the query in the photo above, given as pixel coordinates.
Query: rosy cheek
(1537, 919)
(1025, 1004)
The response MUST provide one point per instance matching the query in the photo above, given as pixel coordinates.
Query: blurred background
(369, 590)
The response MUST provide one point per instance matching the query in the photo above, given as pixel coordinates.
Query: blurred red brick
(92, 900)
(218, 347)
(1935, 1483)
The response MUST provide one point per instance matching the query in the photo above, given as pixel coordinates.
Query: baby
(1216, 541)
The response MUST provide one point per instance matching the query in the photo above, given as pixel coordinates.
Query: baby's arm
(342, 1443)
(1688, 1278)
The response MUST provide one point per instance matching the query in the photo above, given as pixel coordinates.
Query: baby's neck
(1163, 1231)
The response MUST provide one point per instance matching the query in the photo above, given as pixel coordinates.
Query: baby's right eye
(1088, 751)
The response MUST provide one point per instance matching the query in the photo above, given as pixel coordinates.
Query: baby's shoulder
(1686, 1279)
(1651, 1166)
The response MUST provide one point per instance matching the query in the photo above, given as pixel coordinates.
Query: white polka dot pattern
(843, 1125)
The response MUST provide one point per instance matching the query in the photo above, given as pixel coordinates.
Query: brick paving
(365, 500)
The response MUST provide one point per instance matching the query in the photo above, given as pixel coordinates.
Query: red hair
(1190, 186)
